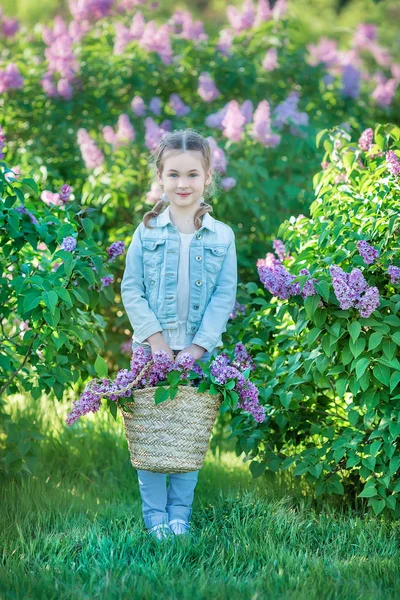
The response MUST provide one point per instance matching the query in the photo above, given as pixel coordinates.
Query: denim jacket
(149, 284)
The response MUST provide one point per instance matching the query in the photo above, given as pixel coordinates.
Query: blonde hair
(184, 140)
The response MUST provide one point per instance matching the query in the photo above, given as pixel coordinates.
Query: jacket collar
(164, 218)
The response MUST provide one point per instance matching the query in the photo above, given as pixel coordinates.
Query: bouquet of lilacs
(223, 375)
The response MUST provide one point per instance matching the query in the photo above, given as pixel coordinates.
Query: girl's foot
(161, 531)
(179, 527)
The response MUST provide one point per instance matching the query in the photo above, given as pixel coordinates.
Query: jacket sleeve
(143, 320)
(221, 303)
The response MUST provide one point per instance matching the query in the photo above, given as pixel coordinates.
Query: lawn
(75, 530)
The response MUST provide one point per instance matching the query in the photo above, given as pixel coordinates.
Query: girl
(178, 289)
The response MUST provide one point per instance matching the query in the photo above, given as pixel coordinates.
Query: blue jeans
(160, 505)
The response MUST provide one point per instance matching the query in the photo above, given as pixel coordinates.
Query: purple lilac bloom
(280, 249)
(218, 158)
(123, 37)
(138, 106)
(247, 110)
(350, 81)
(155, 105)
(264, 12)
(225, 42)
(92, 156)
(192, 30)
(233, 122)
(2, 142)
(392, 162)
(125, 133)
(241, 20)
(261, 130)
(287, 113)
(384, 92)
(368, 253)
(68, 243)
(366, 139)
(243, 359)
(10, 78)
(178, 106)
(369, 302)
(24, 211)
(325, 51)
(270, 61)
(365, 34)
(156, 39)
(227, 183)
(65, 193)
(349, 288)
(394, 273)
(215, 119)
(238, 309)
(9, 26)
(106, 281)
(116, 249)
(207, 89)
(88, 402)
(278, 281)
(308, 287)
(90, 10)
(153, 133)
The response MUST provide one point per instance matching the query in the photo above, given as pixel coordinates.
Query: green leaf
(382, 373)
(357, 347)
(50, 299)
(31, 300)
(354, 329)
(396, 338)
(161, 395)
(374, 340)
(113, 409)
(257, 468)
(378, 506)
(394, 380)
(100, 366)
(341, 386)
(311, 304)
(368, 492)
(361, 366)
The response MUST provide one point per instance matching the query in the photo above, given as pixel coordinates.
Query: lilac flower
(392, 162)
(365, 34)
(368, 253)
(178, 106)
(233, 122)
(126, 347)
(68, 243)
(106, 281)
(157, 40)
(123, 37)
(225, 42)
(261, 130)
(218, 158)
(65, 193)
(155, 105)
(24, 211)
(89, 401)
(228, 183)
(308, 287)
(109, 135)
(269, 261)
(280, 249)
(10, 78)
(92, 156)
(191, 30)
(138, 106)
(264, 12)
(90, 10)
(394, 273)
(278, 281)
(247, 110)
(207, 89)
(287, 113)
(116, 249)
(125, 132)
(243, 359)
(9, 26)
(51, 198)
(270, 61)
(325, 51)
(238, 309)
(240, 21)
(153, 133)
(369, 302)
(366, 139)
(384, 92)
(215, 119)
(352, 290)
(350, 81)
(2, 142)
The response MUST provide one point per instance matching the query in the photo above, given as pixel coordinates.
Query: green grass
(75, 530)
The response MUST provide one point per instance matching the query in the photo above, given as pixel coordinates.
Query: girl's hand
(195, 350)
(161, 344)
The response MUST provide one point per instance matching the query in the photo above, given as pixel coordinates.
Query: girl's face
(183, 177)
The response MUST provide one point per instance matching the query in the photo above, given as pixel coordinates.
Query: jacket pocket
(214, 257)
(153, 251)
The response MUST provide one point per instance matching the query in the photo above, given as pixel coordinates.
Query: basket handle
(120, 391)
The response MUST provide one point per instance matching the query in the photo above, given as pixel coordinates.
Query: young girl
(178, 289)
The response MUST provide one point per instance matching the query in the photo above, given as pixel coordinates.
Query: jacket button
(196, 306)
(199, 236)
(198, 258)
(198, 282)
(193, 328)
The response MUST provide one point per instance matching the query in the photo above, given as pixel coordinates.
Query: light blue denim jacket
(149, 284)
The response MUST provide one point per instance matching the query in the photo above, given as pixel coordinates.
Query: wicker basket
(173, 436)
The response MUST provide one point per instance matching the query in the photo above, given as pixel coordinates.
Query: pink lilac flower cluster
(238, 309)
(368, 253)
(207, 89)
(261, 130)
(138, 106)
(116, 249)
(280, 249)
(24, 211)
(91, 154)
(218, 158)
(9, 26)
(227, 183)
(178, 106)
(154, 133)
(392, 162)
(68, 243)
(249, 16)
(270, 61)
(156, 39)
(352, 290)
(10, 78)
(394, 273)
(366, 139)
(181, 24)
(90, 10)
(63, 65)
(222, 369)
(124, 134)
(233, 122)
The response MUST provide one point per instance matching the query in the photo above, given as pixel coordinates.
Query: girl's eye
(193, 174)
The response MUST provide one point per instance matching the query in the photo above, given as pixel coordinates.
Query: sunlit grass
(75, 529)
